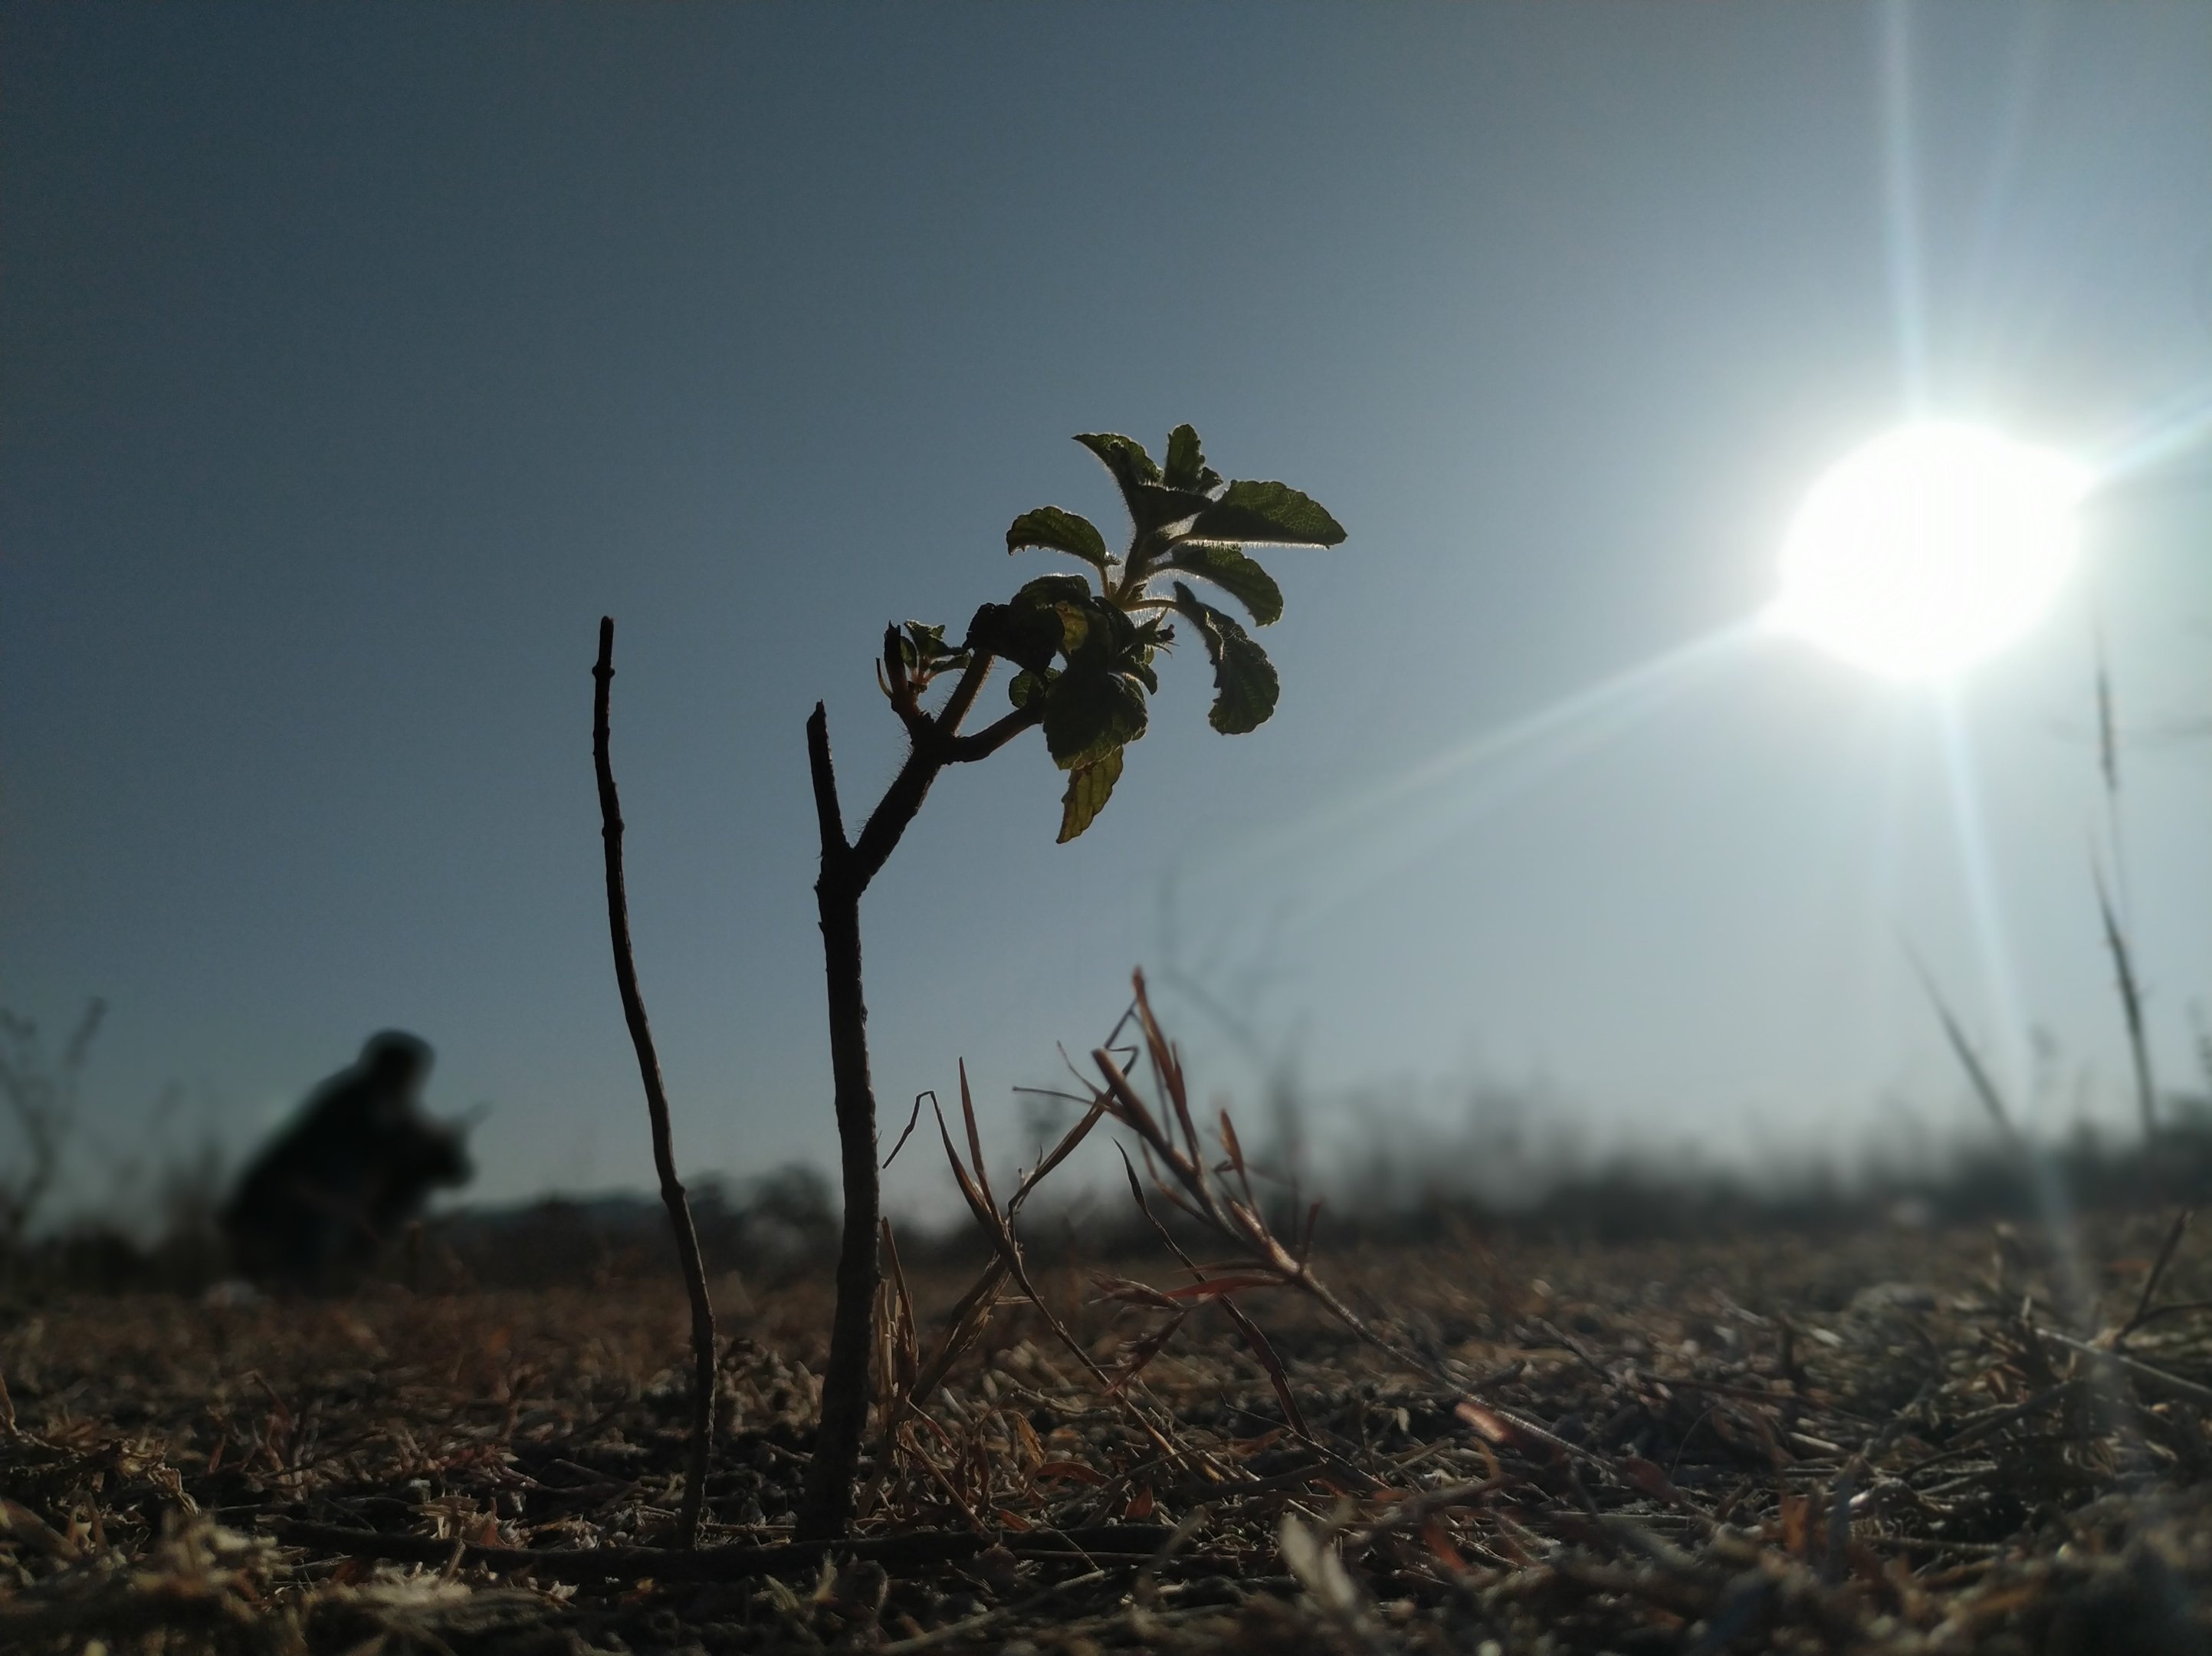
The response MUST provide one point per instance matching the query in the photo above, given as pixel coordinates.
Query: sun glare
(1929, 548)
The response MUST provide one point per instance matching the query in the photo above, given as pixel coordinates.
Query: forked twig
(656, 1105)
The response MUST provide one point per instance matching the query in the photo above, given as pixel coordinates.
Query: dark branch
(829, 817)
(656, 1106)
(964, 693)
(964, 750)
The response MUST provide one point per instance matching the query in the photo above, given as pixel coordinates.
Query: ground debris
(1889, 1442)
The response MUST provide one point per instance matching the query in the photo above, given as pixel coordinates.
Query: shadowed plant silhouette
(1082, 648)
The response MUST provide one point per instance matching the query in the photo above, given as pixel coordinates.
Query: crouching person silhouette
(320, 1204)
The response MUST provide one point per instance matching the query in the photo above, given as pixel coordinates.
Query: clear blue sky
(355, 360)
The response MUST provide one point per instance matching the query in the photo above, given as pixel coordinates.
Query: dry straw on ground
(1898, 1441)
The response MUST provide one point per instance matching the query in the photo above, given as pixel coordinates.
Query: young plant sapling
(1082, 647)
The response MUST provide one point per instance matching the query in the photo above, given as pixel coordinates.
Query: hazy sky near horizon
(355, 360)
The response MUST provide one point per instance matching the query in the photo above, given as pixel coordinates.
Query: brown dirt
(1897, 1441)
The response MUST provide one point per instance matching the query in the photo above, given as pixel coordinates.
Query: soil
(1892, 1440)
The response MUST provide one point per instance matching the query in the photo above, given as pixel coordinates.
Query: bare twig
(656, 1105)
(915, 1548)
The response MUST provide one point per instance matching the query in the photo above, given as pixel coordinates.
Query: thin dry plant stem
(656, 1105)
(998, 1228)
(2116, 927)
(2144, 1311)
(1978, 1074)
(2130, 992)
(1193, 1187)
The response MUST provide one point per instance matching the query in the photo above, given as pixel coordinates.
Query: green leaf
(1227, 567)
(1185, 460)
(1267, 514)
(1048, 590)
(1025, 686)
(1059, 532)
(1125, 457)
(1089, 787)
(1028, 634)
(1154, 506)
(1245, 688)
(924, 649)
(1074, 627)
(1089, 709)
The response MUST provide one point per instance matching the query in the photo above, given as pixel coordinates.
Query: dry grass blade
(998, 1229)
(1184, 1178)
(913, 1120)
(975, 1139)
(898, 1352)
(1279, 1378)
(2144, 1311)
(2124, 969)
(1984, 1086)
(964, 1328)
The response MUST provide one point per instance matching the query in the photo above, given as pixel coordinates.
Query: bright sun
(1929, 548)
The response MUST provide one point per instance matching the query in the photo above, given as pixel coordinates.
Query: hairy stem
(825, 1507)
(656, 1106)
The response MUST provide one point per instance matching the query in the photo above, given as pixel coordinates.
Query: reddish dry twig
(997, 1227)
(1182, 1174)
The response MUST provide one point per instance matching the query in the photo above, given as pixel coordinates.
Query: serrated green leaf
(1245, 688)
(1125, 457)
(1266, 513)
(1185, 460)
(1089, 787)
(1227, 567)
(1090, 707)
(1057, 531)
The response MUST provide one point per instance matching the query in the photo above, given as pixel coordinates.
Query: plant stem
(656, 1106)
(825, 1507)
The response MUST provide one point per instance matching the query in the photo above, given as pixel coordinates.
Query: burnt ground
(1886, 1441)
